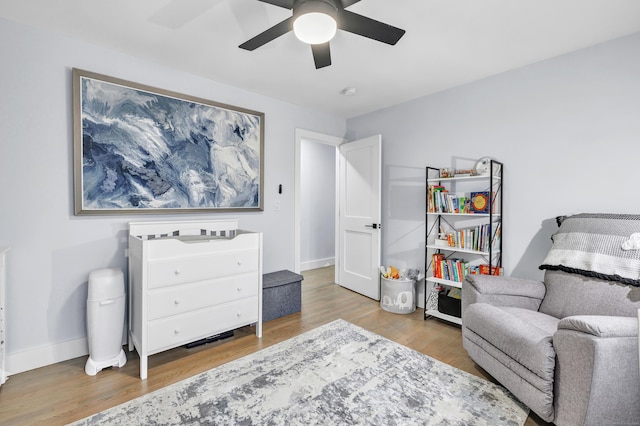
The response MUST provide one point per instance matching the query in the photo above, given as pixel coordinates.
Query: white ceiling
(447, 43)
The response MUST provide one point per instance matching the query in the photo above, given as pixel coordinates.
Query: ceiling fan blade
(287, 4)
(268, 35)
(347, 3)
(321, 55)
(367, 27)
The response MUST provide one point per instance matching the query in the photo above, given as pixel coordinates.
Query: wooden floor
(62, 393)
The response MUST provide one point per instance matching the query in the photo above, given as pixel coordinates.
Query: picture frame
(143, 150)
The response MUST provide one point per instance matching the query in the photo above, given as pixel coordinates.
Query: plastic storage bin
(105, 320)
(397, 296)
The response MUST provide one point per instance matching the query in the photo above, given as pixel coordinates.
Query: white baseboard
(318, 263)
(45, 355)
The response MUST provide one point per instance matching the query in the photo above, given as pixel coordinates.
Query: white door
(359, 217)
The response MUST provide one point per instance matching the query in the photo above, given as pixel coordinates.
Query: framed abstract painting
(140, 149)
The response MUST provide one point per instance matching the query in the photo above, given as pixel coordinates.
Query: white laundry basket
(105, 320)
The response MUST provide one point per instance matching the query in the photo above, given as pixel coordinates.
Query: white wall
(567, 130)
(317, 204)
(53, 251)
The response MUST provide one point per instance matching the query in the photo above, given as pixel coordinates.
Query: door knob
(374, 226)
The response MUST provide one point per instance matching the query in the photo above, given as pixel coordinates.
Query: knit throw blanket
(605, 246)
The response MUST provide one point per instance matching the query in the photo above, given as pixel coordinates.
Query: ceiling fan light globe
(315, 27)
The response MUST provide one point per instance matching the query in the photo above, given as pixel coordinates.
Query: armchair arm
(502, 291)
(601, 326)
(597, 373)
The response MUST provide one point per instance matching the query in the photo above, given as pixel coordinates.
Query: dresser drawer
(179, 299)
(198, 268)
(177, 330)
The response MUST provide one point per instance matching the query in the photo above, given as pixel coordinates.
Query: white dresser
(189, 281)
(3, 284)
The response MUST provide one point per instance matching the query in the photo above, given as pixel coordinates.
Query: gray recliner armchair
(567, 347)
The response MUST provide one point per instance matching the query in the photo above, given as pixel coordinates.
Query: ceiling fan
(315, 22)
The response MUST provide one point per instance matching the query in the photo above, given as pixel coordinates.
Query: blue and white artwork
(148, 152)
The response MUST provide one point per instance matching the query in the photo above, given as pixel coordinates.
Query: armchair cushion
(572, 294)
(496, 285)
(524, 334)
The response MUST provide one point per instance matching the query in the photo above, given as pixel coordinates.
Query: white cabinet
(462, 237)
(189, 281)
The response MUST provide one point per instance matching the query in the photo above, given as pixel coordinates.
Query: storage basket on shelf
(449, 305)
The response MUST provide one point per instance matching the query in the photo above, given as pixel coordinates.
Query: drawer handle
(239, 289)
(239, 262)
(177, 272)
(238, 314)
(177, 301)
(176, 331)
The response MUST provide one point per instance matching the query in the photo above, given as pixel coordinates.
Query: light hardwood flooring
(62, 393)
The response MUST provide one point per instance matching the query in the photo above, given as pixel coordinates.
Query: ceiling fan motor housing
(328, 7)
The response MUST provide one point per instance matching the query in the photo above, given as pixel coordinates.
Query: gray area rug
(337, 374)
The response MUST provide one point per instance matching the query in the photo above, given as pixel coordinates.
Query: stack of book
(449, 269)
(484, 270)
(441, 201)
(477, 238)
(457, 269)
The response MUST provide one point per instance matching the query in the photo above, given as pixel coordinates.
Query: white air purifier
(105, 320)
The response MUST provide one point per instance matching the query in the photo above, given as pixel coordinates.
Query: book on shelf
(497, 234)
(436, 265)
(484, 202)
(455, 293)
(434, 198)
(477, 238)
(480, 202)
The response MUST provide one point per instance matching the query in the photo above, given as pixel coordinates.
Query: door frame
(335, 141)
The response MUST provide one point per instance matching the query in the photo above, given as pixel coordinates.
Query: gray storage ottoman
(281, 294)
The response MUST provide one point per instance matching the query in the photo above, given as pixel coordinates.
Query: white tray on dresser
(189, 281)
